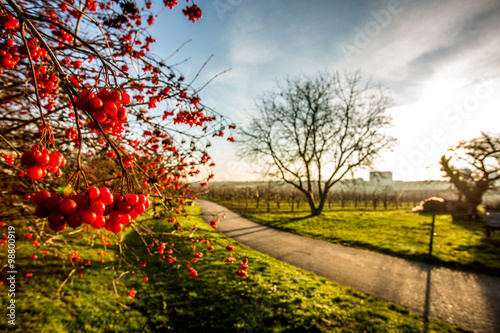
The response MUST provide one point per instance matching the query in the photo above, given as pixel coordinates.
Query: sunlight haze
(438, 59)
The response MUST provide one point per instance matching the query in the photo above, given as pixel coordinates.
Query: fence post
(432, 234)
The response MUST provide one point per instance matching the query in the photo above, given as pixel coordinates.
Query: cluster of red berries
(192, 272)
(39, 161)
(214, 223)
(8, 21)
(9, 54)
(47, 83)
(36, 52)
(96, 206)
(170, 3)
(106, 107)
(193, 12)
(9, 159)
(191, 118)
(62, 35)
(244, 266)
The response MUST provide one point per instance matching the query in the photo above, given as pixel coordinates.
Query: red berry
(53, 202)
(99, 222)
(115, 217)
(56, 219)
(93, 193)
(124, 208)
(98, 207)
(58, 173)
(68, 207)
(88, 216)
(34, 172)
(115, 228)
(132, 199)
(101, 116)
(115, 96)
(95, 103)
(87, 93)
(56, 159)
(105, 196)
(139, 208)
(103, 94)
(110, 108)
(40, 197)
(126, 99)
(28, 158)
(75, 220)
(82, 102)
(126, 219)
(43, 159)
(42, 212)
(81, 201)
(133, 214)
(122, 114)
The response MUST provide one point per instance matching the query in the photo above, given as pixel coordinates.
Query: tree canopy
(313, 131)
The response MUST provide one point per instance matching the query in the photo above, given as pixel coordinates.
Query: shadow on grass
(279, 221)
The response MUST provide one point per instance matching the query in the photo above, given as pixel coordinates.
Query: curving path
(465, 299)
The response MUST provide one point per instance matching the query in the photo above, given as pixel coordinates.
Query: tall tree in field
(473, 167)
(313, 131)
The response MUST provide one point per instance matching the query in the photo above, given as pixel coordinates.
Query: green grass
(275, 298)
(400, 233)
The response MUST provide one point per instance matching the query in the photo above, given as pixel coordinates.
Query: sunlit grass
(275, 298)
(400, 233)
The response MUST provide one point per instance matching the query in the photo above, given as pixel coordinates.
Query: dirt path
(468, 300)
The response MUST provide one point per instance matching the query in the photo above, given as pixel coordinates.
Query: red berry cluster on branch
(191, 118)
(8, 21)
(47, 82)
(40, 160)
(193, 12)
(97, 207)
(107, 108)
(170, 3)
(9, 54)
(45, 64)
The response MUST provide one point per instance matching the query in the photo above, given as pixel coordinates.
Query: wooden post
(432, 234)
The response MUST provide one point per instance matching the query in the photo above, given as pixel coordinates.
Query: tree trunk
(315, 211)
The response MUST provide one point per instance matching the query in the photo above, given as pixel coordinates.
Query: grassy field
(274, 298)
(400, 233)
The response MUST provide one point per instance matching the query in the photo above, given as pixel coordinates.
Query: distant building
(381, 177)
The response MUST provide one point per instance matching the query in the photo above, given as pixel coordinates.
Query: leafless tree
(312, 131)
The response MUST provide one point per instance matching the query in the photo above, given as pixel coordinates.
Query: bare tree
(475, 170)
(312, 131)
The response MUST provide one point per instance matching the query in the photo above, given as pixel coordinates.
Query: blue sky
(440, 59)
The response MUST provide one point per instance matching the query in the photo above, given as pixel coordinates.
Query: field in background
(397, 232)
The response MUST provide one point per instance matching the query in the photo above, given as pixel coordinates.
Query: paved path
(468, 300)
